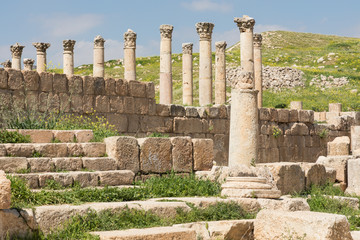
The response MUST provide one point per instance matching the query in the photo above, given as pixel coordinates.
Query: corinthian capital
(41, 47)
(187, 48)
(28, 62)
(257, 40)
(69, 45)
(6, 64)
(245, 24)
(166, 31)
(204, 29)
(16, 50)
(220, 46)
(99, 41)
(130, 39)
(244, 81)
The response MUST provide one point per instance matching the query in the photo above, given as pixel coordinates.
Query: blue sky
(26, 21)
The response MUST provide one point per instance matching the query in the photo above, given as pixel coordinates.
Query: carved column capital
(220, 46)
(166, 31)
(16, 50)
(204, 29)
(28, 63)
(245, 24)
(6, 64)
(257, 40)
(244, 81)
(41, 47)
(99, 41)
(187, 48)
(130, 39)
(69, 45)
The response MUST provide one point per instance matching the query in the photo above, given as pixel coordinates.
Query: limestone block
(284, 204)
(141, 106)
(283, 115)
(67, 164)
(129, 105)
(85, 179)
(64, 179)
(76, 103)
(155, 155)
(46, 81)
(116, 178)
(64, 136)
(65, 102)
(15, 80)
(202, 111)
(152, 106)
(213, 112)
(191, 112)
(315, 174)
(339, 163)
(94, 149)
(41, 165)
(99, 164)
(44, 178)
(296, 105)
(120, 121)
(75, 150)
(121, 87)
(52, 149)
(177, 110)
(117, 104)
(355, 138)
(2, 150)
(150, 90)
(330, 174)
(301, 224)
(273, 115)
(221, 143)
(293, 115)
(203, 154)
(83, 135)
(137, 89)
(32, 180)
(5, 191)
(264, 114)
(182, 154)
(19, 149)
(288, 177)
(60, 83)
(3, 79)
(188, 125)
(16, 224)
(39, 135)
(32, 80)
(306, 116)
(110, 87)
(299, 129)
(125, 151)
(339, 147)
(75, 84)
(352, 202)
(88, 85)
(102, 104)
(353, 177)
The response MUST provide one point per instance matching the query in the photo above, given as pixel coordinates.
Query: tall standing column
(204, 29)
(165, 64)
(244, 128)
(16, 51)
(220, 73)
(130, 55)
(68, 56)
(28, 64)
(187, 66)
(258, 66)
(99, 57)
(41, 56)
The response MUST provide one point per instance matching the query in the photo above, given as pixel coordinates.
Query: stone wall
(131, 107)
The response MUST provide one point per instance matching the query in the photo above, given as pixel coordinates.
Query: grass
(170, 185)
(13, 137)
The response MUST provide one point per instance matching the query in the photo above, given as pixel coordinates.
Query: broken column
(220, 73)
(28, 64)
(130, 55)
(204, 29)
(6, 64)
(68, 56)
(335, 107)
(187, 73)
(41, 56)
(165, 64)
(16, 51)
(244, 110)
(258, 66)
(298, 105)
(99, 58)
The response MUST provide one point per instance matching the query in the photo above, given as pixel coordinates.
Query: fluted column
(16, 51)
(258, 67)
(244, 128)
(6, 64)
(99, 57)
(165, 64)
(41, 56)
(187, 67)
(220, 73)
(28, 64)
(204, 29)
(130, 55)
(68, 57)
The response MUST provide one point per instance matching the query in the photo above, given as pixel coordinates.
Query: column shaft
(41, 56)
(68, 57)
(130, 55)
(16, 51)
(187, 61)
(99, 57)
(258, 67)
(220, 73)
(165, 65)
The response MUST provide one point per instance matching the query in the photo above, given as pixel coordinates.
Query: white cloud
(208, 5)
(263, 28)
(65, 25)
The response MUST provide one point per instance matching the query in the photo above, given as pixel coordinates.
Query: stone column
(220, 73)
(41, 56)
(187, 73)
(244, 126)
(130, 55)
(28, 64)
(16, 51)
(68, 56)
(6, 64)
(298, 105)
(99, 58)
(165, 64)
(258, 66)
(335, 107)
(204, 29)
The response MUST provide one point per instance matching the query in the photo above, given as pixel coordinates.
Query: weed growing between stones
(13, 137)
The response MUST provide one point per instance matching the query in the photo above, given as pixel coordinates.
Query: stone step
(52, 149)
(251, 193)
(84, 178)
(246, 179)
(246, 185)
(46, 164)
(69, 189)
(158, 233)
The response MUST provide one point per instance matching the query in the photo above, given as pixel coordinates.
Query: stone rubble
(328, 81)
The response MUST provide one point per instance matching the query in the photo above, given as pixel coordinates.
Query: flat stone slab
(246, 179)
(251, 193)
(355, 235)
(246, 185)
(158, 233)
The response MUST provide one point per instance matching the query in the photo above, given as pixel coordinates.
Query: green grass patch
(13, 137)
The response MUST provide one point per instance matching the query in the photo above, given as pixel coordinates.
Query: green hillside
(340, 55)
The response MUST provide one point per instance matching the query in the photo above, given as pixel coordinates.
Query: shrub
(13, 137)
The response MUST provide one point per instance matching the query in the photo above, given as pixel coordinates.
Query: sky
(26, 21)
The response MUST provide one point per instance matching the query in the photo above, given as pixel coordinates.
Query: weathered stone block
(99, 164)
(273, 115)
(339, 163)
(39, 135)
(188, 125)
(3, 78)
(89, 104)
(32, 80)
(15, 79)
(129, 105)
(86, 179)
(150, 90)
(88, 85)
(339, 147)
(116, 178)
(203, 154)
(102, 104)
(117, 104)
(94, 149)
(293, 115)
(163, 110)
(110, 87)
(76, 103)
(52, 149)
(64, 102)
(75, 149)
(68, 164)
(353, 178)
(177, 111)
(120, 121)
(355, 138)
(182, 155)
(283, 115)
(218, 126)
(64, 136)
(125, 151)
(221, 145)
(121, 87)
(315, 174)
(19, 149)
(5, 192)
(152, 106)
(299, 129)
(141, 105)
(46, 82)
(60, 83)
(137, 89)
(75, 85)
(213, 112)
(41, 165)
(13, 164)
(264, 114)
(63, 179)
(155, 155)
(83, 135)
(99, 86)
(306, 116)
(191, 112)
